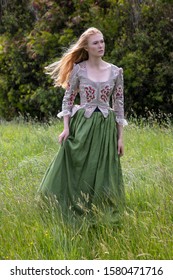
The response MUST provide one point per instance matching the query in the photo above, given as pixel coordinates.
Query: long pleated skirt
(86, 174)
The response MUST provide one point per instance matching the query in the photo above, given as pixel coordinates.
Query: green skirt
(86, 173)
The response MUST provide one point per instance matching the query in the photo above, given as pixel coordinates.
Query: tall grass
(31, 231)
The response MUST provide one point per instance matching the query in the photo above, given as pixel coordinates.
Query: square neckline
(97, 82)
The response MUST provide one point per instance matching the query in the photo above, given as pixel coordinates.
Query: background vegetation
(30, 230)
(34, 33)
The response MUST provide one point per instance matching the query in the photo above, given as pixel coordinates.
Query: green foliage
(144, 51)
(34, 33)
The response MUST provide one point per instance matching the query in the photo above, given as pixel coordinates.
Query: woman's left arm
(118, 106)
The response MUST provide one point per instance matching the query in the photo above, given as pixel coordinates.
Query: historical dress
(86, 171)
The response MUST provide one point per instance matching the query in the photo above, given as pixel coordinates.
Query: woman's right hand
(63, 136)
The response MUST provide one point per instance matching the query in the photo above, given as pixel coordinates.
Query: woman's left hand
(120, 147)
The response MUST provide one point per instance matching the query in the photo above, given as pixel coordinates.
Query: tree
(138, 35)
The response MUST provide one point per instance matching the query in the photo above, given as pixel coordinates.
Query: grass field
(30, 232)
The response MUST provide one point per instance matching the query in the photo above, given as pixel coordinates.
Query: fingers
(120, 151)
(62, 137)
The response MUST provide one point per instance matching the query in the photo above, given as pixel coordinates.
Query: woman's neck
(95, 62)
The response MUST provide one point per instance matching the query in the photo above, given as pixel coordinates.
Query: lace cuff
(122, 122)
(63, 113)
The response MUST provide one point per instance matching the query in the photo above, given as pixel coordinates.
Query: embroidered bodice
(94, 94)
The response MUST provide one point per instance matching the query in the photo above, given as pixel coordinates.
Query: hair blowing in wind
(60, 70)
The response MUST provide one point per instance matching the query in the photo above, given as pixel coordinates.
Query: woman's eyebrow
(98, 40)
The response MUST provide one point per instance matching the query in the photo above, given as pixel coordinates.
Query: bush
(138, 37)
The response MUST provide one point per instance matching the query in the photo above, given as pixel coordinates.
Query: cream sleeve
(70, 93)
(118, 99)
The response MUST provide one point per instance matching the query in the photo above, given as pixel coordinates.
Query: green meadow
(29, 230)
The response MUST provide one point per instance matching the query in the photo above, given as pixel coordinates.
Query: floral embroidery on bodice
(104, 93)
(94, 94)
(90, 93)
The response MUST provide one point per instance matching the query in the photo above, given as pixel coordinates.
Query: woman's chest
(91, 90)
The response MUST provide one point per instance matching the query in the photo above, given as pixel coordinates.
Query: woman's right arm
(68, 101)
(65, 133)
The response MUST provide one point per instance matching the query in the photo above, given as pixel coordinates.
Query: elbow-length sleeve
(118, 99)
(70, 93)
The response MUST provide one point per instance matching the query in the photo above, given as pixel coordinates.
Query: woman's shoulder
(81, 65)
(75, 69)
(116, 70)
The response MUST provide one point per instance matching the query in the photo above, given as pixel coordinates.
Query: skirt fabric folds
(86, 171)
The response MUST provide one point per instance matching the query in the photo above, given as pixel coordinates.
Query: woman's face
(96, 45)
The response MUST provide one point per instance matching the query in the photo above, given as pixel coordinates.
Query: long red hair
(60, 70)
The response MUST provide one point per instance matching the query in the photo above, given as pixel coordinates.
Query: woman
(86, 172)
